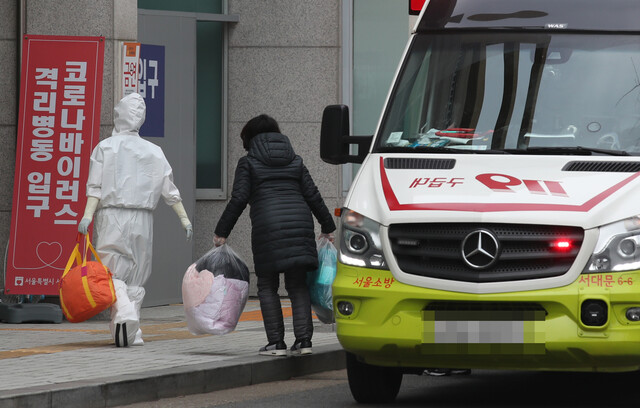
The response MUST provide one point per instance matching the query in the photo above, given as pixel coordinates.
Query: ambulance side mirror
(335, 140)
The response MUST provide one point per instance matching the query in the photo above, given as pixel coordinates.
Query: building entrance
(172, 254)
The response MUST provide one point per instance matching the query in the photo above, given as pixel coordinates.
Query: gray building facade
(285, 58)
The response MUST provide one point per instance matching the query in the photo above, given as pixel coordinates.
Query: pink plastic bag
(195, 286)
(220, 312)
(214, 300)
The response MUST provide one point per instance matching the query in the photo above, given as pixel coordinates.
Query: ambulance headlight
(356, 242)
(360, 241)
(618, 247)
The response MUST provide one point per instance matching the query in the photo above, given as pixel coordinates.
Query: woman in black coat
(283, 198)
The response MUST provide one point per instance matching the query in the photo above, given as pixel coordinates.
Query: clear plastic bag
(320, 281)
(215, 298)
(223, 260)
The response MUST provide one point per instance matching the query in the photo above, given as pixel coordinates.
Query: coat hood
(129, 114)
(272, 149)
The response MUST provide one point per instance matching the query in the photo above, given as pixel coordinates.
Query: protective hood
(272, 149)
(129, 114)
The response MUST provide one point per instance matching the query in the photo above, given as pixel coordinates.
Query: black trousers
(295, 282)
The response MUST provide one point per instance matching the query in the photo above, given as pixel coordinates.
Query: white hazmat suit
(127, 177)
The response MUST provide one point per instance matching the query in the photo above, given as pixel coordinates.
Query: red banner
(59, 125)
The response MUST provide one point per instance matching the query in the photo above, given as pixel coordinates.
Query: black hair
(260, 124)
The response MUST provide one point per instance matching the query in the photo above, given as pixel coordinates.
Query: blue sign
(151, 88)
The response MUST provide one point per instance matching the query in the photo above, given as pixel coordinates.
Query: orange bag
(87, 288)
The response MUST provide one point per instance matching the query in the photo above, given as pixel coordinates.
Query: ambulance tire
(370, 384)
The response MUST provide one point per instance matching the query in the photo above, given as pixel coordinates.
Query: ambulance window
(516, 91)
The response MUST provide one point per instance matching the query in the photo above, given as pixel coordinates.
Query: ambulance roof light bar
(415, 6)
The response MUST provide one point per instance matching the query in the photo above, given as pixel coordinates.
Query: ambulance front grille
(523, 252)
(419, 163)
(603, 167)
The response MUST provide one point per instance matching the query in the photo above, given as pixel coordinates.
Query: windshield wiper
(607, 152)
(416, 149)
(577, 150)
(429, 149)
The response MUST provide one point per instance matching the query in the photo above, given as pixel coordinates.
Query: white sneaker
(138, 340)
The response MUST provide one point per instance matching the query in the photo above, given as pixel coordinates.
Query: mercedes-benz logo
(480, 249)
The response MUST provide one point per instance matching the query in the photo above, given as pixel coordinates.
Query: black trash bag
(223, 261)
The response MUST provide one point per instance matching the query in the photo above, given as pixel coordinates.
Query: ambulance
(494, 221)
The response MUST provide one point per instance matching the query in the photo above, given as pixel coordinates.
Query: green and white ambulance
(494, 221)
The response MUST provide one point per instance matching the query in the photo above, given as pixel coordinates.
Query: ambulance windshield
(516, 93)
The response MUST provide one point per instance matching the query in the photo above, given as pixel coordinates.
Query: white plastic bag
(214, 299)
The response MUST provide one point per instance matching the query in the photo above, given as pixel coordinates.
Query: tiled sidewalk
(67, 364)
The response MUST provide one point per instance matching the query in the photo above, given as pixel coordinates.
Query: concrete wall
(284, 60)
(8, 117)
(116, 20)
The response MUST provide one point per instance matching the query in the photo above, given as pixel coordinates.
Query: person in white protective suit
(127, 176)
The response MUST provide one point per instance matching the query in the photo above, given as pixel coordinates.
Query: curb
(174, 382)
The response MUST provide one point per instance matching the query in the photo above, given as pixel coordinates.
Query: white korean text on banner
(59, 124)
(151, 87)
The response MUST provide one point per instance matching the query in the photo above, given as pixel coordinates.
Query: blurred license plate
(478, 331)
(483, 332)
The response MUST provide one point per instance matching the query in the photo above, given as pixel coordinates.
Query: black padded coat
(283, 199)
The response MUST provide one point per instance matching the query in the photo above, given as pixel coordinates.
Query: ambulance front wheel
(370, 384)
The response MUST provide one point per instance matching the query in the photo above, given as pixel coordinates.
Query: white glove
(184, 219)
(89, 209)
(83, 226)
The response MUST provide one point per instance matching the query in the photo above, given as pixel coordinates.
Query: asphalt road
(480, 389)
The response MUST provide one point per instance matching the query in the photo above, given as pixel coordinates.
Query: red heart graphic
(48, 252)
